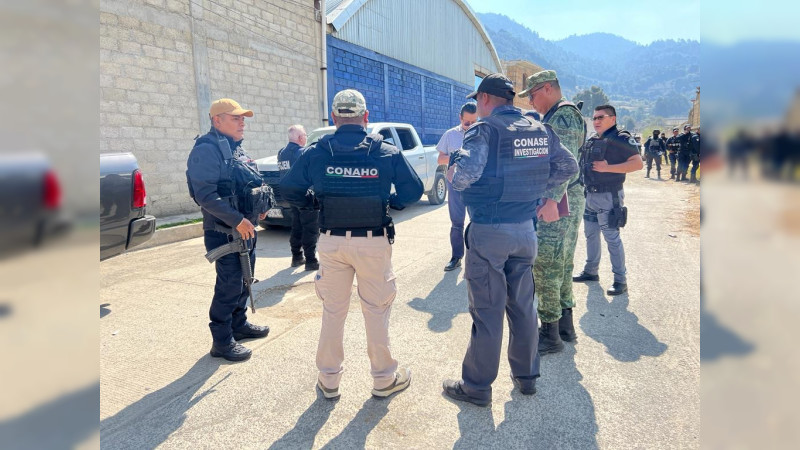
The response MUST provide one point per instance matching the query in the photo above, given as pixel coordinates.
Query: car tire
(438, 192)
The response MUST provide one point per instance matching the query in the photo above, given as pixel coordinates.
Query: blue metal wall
(396, 91)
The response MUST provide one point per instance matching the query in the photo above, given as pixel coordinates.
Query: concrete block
(130, 48)
(152, 51)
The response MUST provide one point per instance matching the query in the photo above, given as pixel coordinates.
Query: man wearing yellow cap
(221, 180)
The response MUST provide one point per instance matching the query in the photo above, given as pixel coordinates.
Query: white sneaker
(402, 379)
(330, 394)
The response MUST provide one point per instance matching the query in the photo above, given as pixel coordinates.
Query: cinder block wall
(162, 62)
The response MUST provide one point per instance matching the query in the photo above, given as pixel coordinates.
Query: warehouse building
(414, 60)
(162, 62)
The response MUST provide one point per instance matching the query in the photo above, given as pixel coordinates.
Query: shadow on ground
(160, 413)
(354, 435)
(560, 415)
(618, 329)
(308, 425)
(66, 422)
(442, 304)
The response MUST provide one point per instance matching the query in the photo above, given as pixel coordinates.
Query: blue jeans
(458, 212)
(229, 304)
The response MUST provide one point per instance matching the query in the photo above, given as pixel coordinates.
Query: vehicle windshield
(317, 134)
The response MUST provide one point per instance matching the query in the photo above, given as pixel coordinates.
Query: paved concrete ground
(751, 252)
(632, 380)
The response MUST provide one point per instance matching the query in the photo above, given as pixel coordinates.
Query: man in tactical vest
(507, 163)
(229, 191)
(606, 157)
(673, 145)
(552, 271)
(305, 222)
(653, 149)
(352, 174)
(684, 152)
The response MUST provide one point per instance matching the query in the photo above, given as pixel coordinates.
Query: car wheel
(439, 191)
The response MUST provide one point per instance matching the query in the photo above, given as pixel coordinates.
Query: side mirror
(389, 141)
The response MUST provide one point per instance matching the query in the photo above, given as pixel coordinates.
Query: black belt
(604, 188)
(353, 233)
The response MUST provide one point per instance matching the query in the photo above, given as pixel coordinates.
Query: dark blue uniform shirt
(206, 167)
(309, 170)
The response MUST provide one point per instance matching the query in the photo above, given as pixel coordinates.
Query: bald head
(297, 134)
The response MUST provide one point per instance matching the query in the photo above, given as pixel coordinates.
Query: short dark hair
(469, 108)
(606, 108)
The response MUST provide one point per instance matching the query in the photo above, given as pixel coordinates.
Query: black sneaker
(452, 389)
(250, 331)
(617, 289)
(312, 265)
(583, 276)
(298, 260)
(526, 387)
(233, 352)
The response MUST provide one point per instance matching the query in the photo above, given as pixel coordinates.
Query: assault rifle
(242, 247)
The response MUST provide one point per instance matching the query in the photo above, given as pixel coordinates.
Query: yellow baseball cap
(228, 106)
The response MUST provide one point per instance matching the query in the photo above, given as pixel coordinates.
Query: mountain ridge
(622, 68)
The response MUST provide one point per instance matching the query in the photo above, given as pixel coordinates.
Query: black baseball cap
(496, 84)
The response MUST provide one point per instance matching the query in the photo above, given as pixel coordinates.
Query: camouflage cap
(348, 103)
(536, 79)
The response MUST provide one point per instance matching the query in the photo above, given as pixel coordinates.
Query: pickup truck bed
(123, 222)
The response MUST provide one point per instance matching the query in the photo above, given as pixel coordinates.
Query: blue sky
(647, 21)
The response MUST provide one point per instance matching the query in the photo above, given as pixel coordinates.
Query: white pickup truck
(402, 135)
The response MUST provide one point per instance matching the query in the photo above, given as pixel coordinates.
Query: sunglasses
(533, 92)
(601, 117)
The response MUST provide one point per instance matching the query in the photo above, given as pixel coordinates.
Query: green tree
(628, 123)
(671, 105)
(591, 97)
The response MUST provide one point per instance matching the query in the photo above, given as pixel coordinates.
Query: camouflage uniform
(557, 240)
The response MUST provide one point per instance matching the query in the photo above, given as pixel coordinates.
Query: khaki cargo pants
(370, 260)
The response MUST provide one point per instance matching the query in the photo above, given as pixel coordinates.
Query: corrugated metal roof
(443, 36)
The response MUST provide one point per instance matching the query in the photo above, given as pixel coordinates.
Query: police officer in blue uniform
(222, 181)
(305, 225)
(684, 152)
(605, 159)
(673, 144)
(352, 173)
(504, 167)
(653, 149)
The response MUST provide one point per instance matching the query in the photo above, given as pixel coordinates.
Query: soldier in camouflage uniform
(552, 270)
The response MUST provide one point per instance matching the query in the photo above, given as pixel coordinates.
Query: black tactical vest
(595, 150)
(239, 183)
(351, 186)
(518, 166)
(655, 146)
